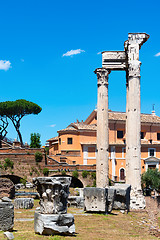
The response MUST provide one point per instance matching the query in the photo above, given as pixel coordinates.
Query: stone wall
(24, 162)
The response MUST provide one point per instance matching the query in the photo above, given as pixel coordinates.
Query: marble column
(133, 121)
(133, 111)
(102, 179)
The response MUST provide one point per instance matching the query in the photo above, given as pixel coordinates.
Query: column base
(52, 224)
(137, 200)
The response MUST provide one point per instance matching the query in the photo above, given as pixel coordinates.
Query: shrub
(47, 150)
(31, 173)
(23, 180)
(8, 163)
(63, 172)
(94, 183)
(93, 175)
(38, 156)
(75, 174)
(85, 174)
(151, 180)
(45, 171)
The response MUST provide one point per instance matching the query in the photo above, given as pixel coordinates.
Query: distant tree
(35, 140)
(3, 126)
(16, 110)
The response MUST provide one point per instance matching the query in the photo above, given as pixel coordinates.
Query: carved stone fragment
(24, 203)
(52, 218)
(53, 193)
(6, 215)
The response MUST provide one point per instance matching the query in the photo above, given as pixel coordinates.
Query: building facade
(76, 144)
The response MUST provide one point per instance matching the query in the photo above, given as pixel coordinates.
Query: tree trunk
(1, 141)
(20, 137)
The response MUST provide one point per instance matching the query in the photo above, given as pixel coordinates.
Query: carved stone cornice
(102, 76)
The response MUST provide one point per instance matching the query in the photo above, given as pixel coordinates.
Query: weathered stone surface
(9, 235)
(7, 188)
(19, 186)
(110, 199)
(133, 118)
(75, 201)
(137, 200)
(95, 199)
(53, 193)
(122, 196)
(6, 199)
(26, 203)
(114, 60)
(51, 224)
(6, 216)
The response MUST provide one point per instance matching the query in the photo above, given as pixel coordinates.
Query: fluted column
(102, 179)
(133, 111)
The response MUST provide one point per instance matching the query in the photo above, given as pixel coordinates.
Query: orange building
(76, 144)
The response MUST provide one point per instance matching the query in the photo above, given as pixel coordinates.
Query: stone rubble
(24, 203)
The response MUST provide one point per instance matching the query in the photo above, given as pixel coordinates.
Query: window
(119, 134)
(142, 135)
(158, 136)
(152, 166)
(151, 152)
(69, 140)
(59, 141)
(122, 174)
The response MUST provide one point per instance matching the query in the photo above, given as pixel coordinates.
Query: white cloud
(157, 54)
(53, 125)
(5, 65)
(99, 53)
(73, 52)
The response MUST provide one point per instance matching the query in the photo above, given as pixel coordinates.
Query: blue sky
(36, 34)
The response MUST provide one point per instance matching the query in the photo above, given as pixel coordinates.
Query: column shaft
(102, 179)
(133, 111)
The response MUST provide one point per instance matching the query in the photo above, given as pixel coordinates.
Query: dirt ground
(115, 226)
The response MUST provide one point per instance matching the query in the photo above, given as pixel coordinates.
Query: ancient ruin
(52, 217)
(6, 214)
(24, 203)
(127, 60)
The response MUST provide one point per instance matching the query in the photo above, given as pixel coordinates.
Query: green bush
(151, 180)
(93, 175)
(47, 150)
(45, 171)
(85, 174)
(8, 163)
(38, 156)
(63, 172)
(75, 174)
(23, 180)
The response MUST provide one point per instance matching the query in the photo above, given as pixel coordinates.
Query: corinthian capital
(102, 76)
(134, 68)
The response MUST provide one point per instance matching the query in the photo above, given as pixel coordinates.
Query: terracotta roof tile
(120, 116)
(52, 139)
